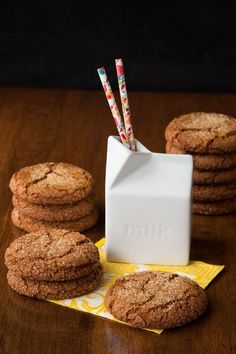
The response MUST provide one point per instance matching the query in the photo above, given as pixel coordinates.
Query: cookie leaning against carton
(53, 195)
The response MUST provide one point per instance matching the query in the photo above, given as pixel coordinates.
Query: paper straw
(112, 104)
(125, 102)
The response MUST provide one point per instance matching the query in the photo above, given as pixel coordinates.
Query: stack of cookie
(53, 195)
(211, 139)
(56, 265)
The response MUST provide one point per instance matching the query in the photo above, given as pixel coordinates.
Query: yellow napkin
(202, 273)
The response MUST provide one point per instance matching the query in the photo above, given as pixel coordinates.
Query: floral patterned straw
(112, 104)
(125, 102)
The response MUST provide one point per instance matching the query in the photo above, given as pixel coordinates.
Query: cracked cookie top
(51, 183)
(203, 132)
(54, 255)
(155, 299)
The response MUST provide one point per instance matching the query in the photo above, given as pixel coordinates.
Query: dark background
(172, 46)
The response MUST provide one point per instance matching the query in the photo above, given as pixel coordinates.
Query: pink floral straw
(112, 104)
(125, 103)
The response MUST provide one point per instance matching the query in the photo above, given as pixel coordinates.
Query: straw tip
(101, 68)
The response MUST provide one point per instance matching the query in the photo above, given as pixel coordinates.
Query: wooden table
(73, 126)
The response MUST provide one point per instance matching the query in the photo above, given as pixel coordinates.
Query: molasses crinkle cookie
(154, 299)
(201, 132)
(214, 192)
(53, 195)
(214, 177)
(55, 290)
(55, 255)
(207, 162)
(53, 265)
(50, 213)
(211, 140)
(31, 225)
(51, 183)
(214, 208)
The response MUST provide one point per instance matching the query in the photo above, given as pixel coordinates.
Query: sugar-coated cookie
(54, 290)
(211, 177)
(214, 208)
(31, 225)
(51, 183)
(207, 161)
(64, 212)
(155, 299)
(201, 132)
(54, 255)
(213, 192)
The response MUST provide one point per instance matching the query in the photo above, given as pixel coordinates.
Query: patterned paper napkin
(202, 273)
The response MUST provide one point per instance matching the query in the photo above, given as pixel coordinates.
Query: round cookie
(218, 208)
(207, 161)
(64, 212)
(54, 290)
(213, 192)
(203, 132)
(155, 299)
(51, 183)
(210, 177)
(33, 225)
(56, 255)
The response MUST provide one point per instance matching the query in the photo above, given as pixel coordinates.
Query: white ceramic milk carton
(148, 205)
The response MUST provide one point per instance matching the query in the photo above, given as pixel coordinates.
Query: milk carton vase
(148, 205)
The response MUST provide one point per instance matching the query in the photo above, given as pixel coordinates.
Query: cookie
(213, 192)
(64, 212)
(207, 161)
(54, 290)
(51, 183)
(54, 255)
(217, 208)
(33, 225)
(203, 133)
(209, 177)
(155, 299)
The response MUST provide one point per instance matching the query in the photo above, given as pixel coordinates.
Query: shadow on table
(212, 238)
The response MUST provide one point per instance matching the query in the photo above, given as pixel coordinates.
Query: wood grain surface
(73, 126)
